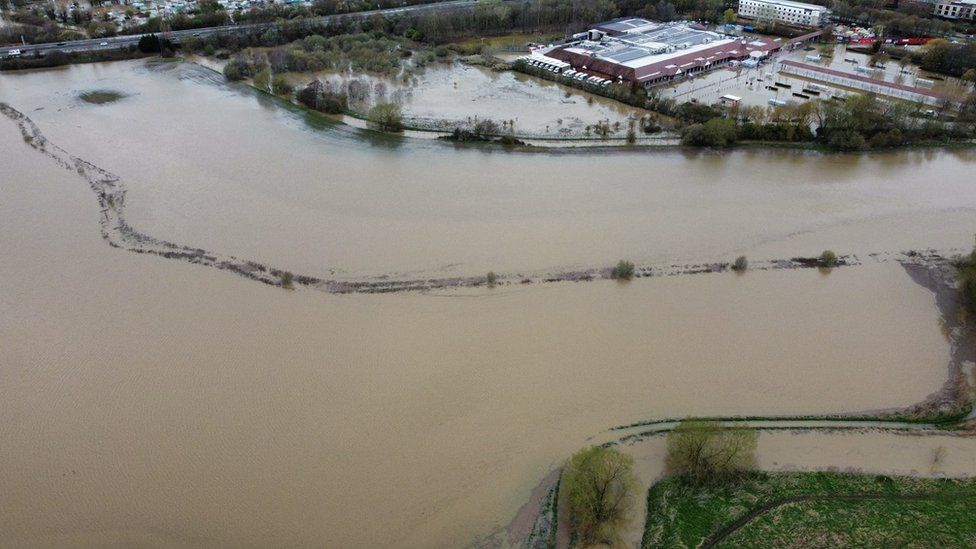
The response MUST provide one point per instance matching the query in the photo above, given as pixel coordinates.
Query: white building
(785, 11)
(955, 9)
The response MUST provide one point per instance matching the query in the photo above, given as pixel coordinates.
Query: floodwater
(147, 402)
(457, 94)
(216, 167)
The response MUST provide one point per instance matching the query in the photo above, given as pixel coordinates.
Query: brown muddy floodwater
(147, 402)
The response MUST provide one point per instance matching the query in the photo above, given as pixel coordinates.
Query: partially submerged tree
(280, 85)
(623, 271)
(387, 117)
(262, 80)
(705, 452)
(828, 259)
(601, 485)
(741, 264)
(717, 132)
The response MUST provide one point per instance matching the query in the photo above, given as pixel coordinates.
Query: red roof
(664, 67)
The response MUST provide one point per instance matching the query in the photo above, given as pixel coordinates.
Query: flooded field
(147, 402)
(234, 172)
(460, 93)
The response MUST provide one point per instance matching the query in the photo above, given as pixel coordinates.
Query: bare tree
(706, 452)
(601, 485)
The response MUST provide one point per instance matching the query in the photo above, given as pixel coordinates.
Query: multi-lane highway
(116, 42)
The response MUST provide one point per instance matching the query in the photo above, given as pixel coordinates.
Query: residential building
(784, 11)
(955, 9)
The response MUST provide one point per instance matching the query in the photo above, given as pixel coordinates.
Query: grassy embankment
(813, 510)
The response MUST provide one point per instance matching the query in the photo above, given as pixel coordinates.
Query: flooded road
(151, 403)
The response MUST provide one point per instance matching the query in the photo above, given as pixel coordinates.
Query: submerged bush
(323, 97)
(280, 85)
(287, 280)
(717, 132)
(828, 259)
(387, 117)
(623, 271)
(741, 264)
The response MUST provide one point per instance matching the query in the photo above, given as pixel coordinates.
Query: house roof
(657, 66)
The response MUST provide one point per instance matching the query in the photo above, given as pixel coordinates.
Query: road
(115, 42)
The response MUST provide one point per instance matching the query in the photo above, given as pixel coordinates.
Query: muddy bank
(110, 192)
(938, 275)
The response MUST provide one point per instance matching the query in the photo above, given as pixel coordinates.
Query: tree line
(861, 121)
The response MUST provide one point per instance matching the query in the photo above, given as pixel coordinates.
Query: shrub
(601, 485)
(846, 140)
(717, 132)
(387, 117)
(707, 453)
(828, 259)
(741, 264)
(239, 68)
(280, 86)
(623, 271)
(322, 97)
(149, 43)
(491, 278)
(262, 80)
(287, 280)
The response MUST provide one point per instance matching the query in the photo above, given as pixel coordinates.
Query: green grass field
(839, 509)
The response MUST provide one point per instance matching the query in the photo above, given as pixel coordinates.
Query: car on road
(103, 43)
(13, 53)
(61, 43)
(196, 34)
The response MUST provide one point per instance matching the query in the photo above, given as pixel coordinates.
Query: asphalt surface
(116, 42)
